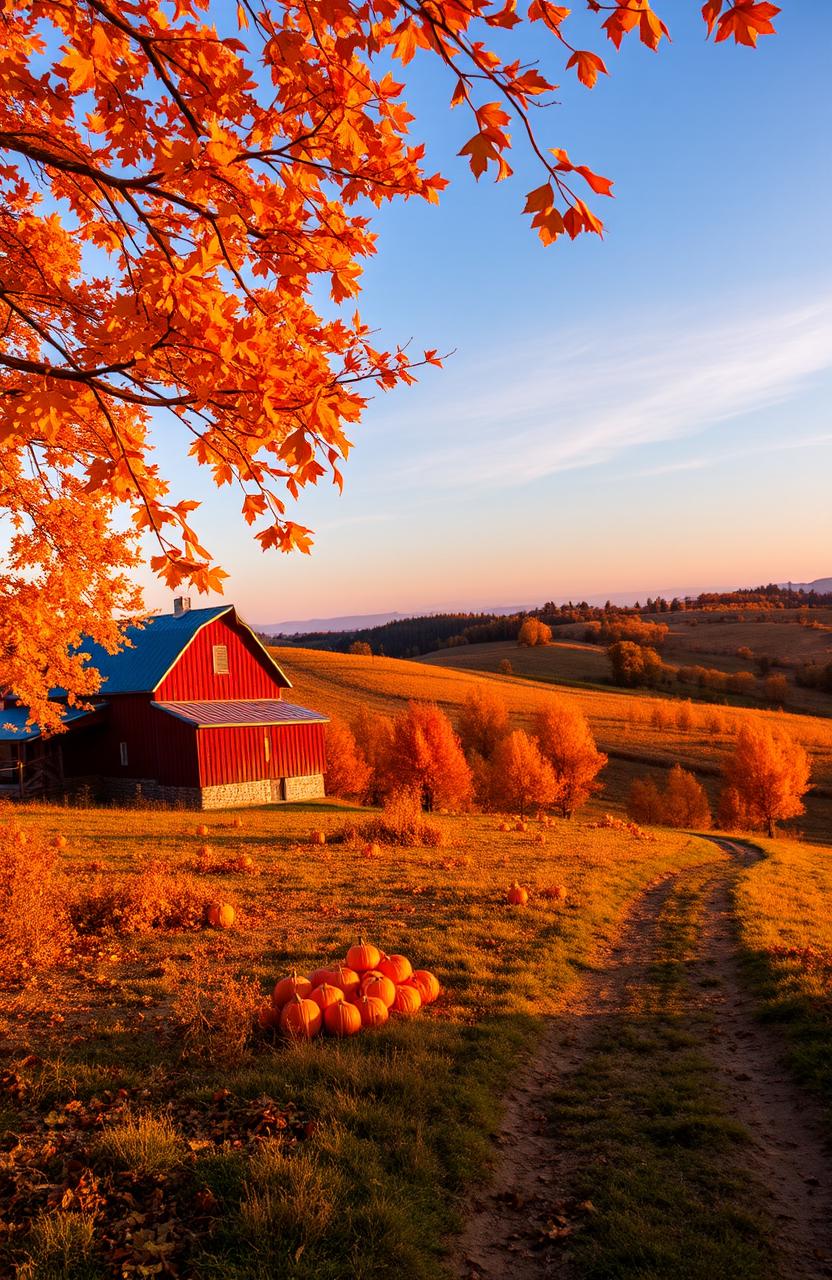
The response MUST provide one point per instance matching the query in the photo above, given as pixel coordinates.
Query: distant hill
(823, 586)
(366, 621)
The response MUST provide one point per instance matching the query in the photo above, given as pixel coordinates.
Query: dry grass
(35, 928)
(399, 1118)
(786, 932)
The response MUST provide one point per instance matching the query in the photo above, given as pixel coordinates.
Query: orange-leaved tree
(533, 632)
(483, 721)
(565, 740)
(175, 189)
(521, 777)
(347, 772)
(766, 777)
(426, 757)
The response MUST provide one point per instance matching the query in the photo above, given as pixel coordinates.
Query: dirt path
(507, 1234)
(513, 1228)
(790, 1155)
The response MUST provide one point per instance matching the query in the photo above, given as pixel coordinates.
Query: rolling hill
(637, 731)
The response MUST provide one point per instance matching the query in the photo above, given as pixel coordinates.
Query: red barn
(192, 713)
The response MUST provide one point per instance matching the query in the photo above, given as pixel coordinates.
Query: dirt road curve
(788, 1155)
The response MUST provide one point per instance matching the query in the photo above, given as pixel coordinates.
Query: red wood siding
(158, 745)
(239, 755)
(192, 677)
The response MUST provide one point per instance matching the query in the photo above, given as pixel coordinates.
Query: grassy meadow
(146, 1121)
(638, 732)
(145, 1108)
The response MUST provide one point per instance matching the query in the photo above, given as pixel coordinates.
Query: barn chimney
(181, 605)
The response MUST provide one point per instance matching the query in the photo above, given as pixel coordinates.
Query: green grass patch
(649, 1139)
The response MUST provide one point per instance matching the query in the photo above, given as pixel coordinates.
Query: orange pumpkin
(372, 1011)
(347, 979)
(321, 975)
(369, 976)
(300, 1018)
(364, 956)
(517, 896)
(221, 915)
(204, 851)
(406, 1001)
(60, 842)
(202, 830)
(342, 1019)
(382, 988)
(396, 968)
(287, 988)
(372, 850)
(268, 1018)
(426, 983)
(245, 862)
(325, 995)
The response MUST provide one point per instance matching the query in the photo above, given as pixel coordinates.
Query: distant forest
(411, 637)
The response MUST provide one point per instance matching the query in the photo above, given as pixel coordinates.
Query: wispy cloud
(582, 401)
(734, 455)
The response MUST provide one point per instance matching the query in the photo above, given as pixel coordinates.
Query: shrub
(216, 1019)
(35, 928)
(154, 898)
(505, 668)
(360, 647)
(401, 823)
(776, 690)
(634, 665)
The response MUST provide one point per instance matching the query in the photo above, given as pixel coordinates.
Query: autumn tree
(634, 664)
(685, 803)
(533, 632)
(770, 774)
(645, 803)
(521, 777)
(483, 721)
(361, 648)
(347, 772)
(566, 742)
(373, 734)
(426, 757)
(177, 195)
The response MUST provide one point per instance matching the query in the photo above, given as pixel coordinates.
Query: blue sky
(650, 411)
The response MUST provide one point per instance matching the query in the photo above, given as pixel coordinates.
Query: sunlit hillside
(636, 731)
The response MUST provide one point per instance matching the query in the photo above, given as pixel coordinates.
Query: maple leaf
(589, 66)
(747, 20)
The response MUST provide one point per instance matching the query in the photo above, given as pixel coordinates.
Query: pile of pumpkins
(348, 997)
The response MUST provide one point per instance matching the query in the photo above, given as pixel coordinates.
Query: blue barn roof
(13, 726)
(155, 646)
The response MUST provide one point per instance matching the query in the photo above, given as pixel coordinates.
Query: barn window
(267, 747)
(220, 660)
(122, 751)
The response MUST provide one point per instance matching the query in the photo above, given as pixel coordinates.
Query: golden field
(636, 730)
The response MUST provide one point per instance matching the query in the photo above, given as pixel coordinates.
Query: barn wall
(158, 746)
(230, 755)
(193, 678)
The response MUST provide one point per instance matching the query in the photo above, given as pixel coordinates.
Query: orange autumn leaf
(747, 20)
(589, 66)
